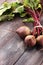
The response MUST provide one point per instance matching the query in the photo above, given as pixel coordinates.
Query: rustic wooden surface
(12, 48)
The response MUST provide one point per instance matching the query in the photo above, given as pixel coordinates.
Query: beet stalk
(38, 28)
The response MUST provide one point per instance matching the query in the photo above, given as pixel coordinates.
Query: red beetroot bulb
(23, 31)
(39, 40)
(30, 41)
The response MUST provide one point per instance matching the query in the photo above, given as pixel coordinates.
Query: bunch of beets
(31, 38)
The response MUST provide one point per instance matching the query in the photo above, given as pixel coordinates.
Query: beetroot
(30, 41)
(40, 40)
(23, 31)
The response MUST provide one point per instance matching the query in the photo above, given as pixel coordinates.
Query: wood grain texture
(12, 48)
(35, 58)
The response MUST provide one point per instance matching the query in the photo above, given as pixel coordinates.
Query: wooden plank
(33, 58)
(7, 31)
(1, 1)
(11, 51)
(36, 59)
(41, 64)
(11, 46)
(27, 55)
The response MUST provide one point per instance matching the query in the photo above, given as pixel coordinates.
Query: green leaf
(5, 4)
(23, 14)
(19, 9)
(28, 20)
(4, 8)
(1, 7)
(6, 17)
(14, 4)
(31, 3)
(39, 6)
(25, 2)
(10, 16)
